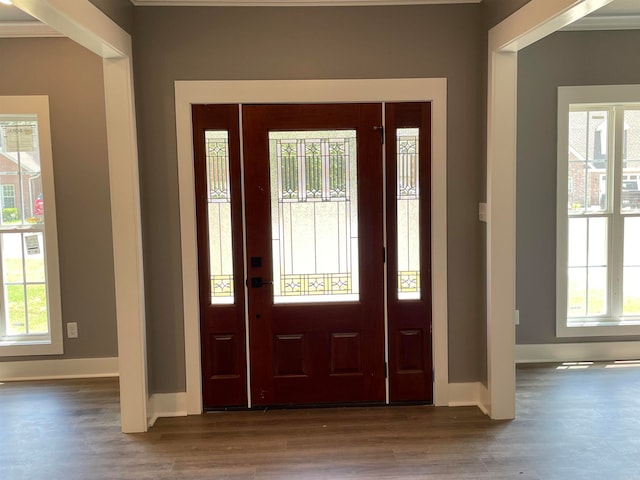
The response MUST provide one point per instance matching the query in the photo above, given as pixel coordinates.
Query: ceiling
(620, 14)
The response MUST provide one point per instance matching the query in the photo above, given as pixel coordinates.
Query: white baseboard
(167, 405)
(59, 369)
(472, 394)
(575, 352)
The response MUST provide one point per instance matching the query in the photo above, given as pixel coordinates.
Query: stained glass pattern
(219, 213)
(408, 212)
(314, 216)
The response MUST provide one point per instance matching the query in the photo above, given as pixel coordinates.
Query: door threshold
(316, 406)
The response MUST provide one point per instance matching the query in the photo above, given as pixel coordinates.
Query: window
(30, 317)
(8, 197)
(598, 219)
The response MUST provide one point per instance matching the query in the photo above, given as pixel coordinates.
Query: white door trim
(532, 22)
(82, 22)
(311, 91)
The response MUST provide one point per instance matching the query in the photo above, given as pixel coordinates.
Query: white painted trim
(58, 369)
(290, 3)
(27, 29)
(126, 226)
(576, 352)
(163, 405)
(39, 104)
(605, 22)
(537, 19)
(532, 22)
(310, 91)
(467, 395)
(81, 21)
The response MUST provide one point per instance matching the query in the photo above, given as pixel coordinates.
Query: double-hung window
(598, 211)
(30, 313)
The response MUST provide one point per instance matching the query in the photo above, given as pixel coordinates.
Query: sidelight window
(219, 212)
(408, 208)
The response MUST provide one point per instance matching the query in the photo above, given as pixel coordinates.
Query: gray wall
(562, 59)
(120, 11)
(72, 78)
(497, 10)
(192, 43)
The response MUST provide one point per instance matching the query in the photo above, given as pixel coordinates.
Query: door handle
(257, 282)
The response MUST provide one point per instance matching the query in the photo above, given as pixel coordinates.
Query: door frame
(311, 91)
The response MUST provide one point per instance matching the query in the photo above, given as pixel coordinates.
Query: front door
(313, 187)
(311, 256)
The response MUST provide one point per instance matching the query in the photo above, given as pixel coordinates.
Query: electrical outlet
(72, 330)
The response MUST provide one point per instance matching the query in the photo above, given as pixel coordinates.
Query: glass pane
(21, 197)
(219, 209)
(15, 310)
(37, 308)
(588, 266)
(408, 212)
(631, 272)
(12, 258)
(34, 256)
(630, 195)
(597, 282)
(577, 247)
(577, 292)
(23, 269)
(314, 214)
(597, 240)
(587, 162)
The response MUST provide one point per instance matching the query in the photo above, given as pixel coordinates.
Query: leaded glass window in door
(219, 216)
(314, 216)
(408, 213)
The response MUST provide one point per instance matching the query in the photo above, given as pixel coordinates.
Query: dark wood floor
(578, 422)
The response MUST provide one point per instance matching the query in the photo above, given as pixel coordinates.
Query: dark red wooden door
(314, 210)
(408, 162)
(218, 193)
(314, 262)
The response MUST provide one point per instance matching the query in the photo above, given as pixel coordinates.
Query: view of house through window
(22, 266)
(603, 214)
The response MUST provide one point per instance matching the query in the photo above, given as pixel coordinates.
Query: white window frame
(51, 344)
(588, 95)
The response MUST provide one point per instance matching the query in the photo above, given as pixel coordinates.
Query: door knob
(257, 282)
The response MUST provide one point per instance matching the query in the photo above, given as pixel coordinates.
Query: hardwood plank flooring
(574, 422)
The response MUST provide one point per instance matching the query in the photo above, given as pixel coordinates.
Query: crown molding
(290, 3)
(27, 29)
(605, 22)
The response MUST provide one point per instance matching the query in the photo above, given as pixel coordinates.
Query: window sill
(20, 348)
(604, 328)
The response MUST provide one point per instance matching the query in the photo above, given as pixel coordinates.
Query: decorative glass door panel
(408, 208)
(219, 213)
(314, 215)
